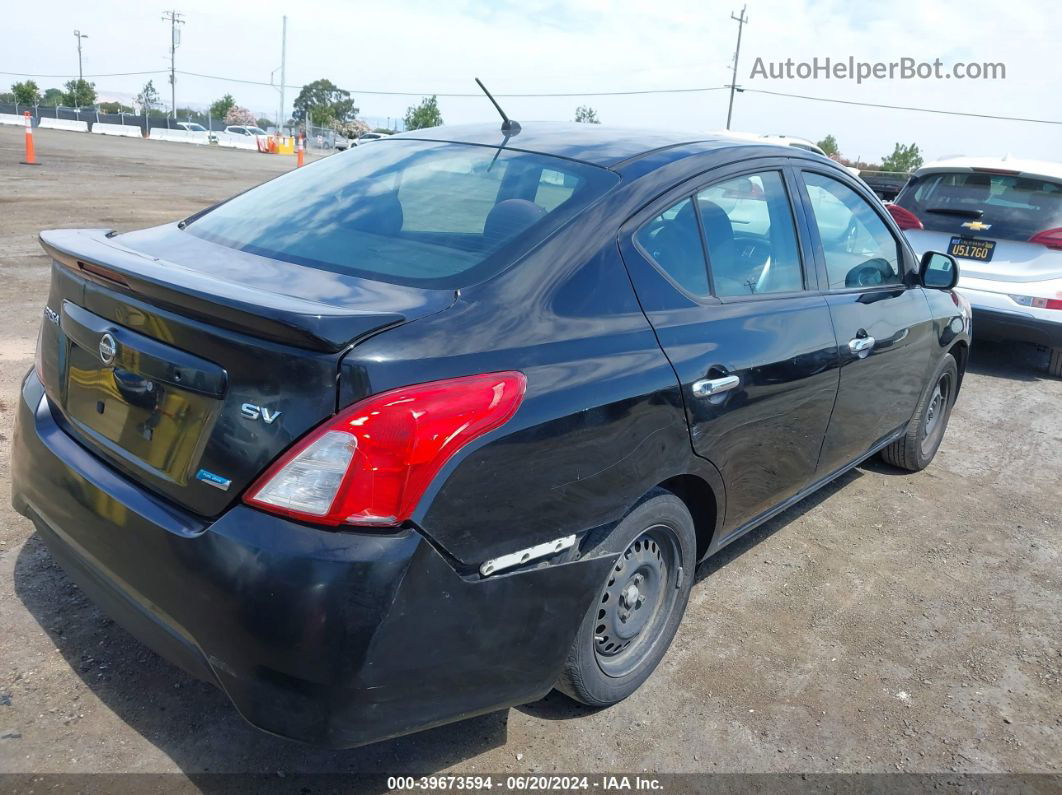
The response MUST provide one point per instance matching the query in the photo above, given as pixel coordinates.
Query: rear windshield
(983, 204)
(423, 213)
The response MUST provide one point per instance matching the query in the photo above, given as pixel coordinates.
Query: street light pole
(80, 74)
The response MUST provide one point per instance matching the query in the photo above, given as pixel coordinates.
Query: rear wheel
(627, 630)
(916, 448)
(1054, 366)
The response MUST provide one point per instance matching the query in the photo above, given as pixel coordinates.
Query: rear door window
(984, 204)
(673, 242)
(752, 243)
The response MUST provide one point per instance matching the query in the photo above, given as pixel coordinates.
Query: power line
(469, 94)
(636, 92)
(901, 107)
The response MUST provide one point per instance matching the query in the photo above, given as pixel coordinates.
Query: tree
(903, 159)
(114, 107)
(26, 93)
(426, 114)
(238, 115)
(323, 103)
(221, 107)
(148, 98)
(829, 146)
(52, 96)
(584, 114)
(79, 93)
(264, 123)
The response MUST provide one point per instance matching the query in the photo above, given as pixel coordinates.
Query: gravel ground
(889, 622)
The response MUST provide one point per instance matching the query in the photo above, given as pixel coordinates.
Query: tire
(1054, 365)
(915, 449)
(655, 554)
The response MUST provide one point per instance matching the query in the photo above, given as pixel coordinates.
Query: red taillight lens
(904, 218)
(1052, 238)
(371, 463)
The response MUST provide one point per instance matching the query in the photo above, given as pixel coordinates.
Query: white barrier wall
(183, 136)
(124, 130)
(236, 141)
(47, 123)
(11, 118)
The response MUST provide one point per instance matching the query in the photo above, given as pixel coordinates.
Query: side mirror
(938, 271)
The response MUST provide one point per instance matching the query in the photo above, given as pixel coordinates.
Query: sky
(551, 47)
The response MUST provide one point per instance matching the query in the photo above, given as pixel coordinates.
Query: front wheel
(916, 448)
(627, 630)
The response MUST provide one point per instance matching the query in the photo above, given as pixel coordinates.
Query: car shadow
(1014, 360)
(192, 722)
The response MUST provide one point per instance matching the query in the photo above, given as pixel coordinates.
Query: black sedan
(430, 427)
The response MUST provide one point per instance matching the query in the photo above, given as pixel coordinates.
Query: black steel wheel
(627, 630)
(915, 449)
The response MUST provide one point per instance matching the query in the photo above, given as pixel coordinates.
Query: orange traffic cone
(31, 155)
(300, 157)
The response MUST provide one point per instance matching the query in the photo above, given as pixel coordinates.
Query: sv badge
(253, 412)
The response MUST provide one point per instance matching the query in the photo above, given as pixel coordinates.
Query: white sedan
(1002, 219)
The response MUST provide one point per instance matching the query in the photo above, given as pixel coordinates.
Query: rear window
(1012, 207)
(422, 213)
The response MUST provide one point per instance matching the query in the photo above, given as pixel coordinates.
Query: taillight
(1036, 302)
(372, 462)
(1052, 238)
(904, 218)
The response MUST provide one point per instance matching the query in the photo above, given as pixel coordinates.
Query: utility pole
(174, 18)
(741, 20)
(80, 74)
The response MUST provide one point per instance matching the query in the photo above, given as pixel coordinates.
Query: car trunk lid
(190, 366)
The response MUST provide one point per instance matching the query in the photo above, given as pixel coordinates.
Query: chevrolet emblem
(977, 226)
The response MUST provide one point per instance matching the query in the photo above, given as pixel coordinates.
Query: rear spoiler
(93, 255)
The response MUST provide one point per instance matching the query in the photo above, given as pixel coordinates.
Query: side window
(752, 243)
(673, 241)
(859, 249)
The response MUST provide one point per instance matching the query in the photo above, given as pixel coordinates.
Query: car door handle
(861, 346)
(707, 387)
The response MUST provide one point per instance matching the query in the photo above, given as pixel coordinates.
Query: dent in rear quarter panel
(602, 419)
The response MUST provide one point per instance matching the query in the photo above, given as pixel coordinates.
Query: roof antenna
(509, 127)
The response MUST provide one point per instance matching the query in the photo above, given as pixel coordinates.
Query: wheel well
(700, 500)
(961, 351)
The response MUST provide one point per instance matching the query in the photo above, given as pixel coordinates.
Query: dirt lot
(891, 622)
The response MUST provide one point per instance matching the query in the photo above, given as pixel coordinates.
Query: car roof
(595, 144)
(1019, 166)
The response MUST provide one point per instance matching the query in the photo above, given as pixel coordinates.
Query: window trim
(904, 258)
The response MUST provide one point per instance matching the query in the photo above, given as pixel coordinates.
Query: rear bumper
(333, 638)
(997, 324)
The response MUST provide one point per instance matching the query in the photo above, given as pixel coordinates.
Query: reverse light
(1035, 302)
(1052, 238)
(372, 462)
(904, 218)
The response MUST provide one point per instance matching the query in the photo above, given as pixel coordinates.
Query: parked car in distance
(456, 424)
(1002, 217)
(342, 143)
(244, 129)
(365, 137)
(191, 126)
(780, 140)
